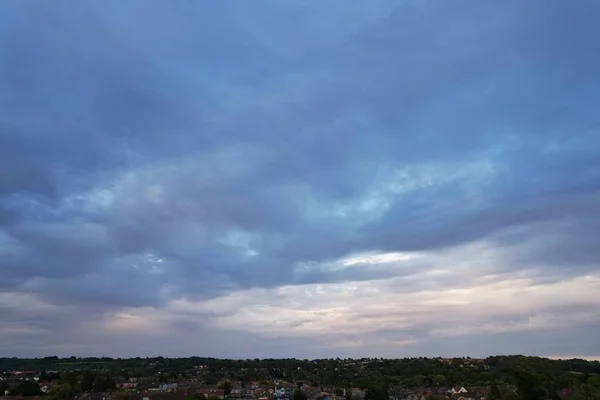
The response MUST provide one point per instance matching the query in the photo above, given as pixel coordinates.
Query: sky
(299, 179)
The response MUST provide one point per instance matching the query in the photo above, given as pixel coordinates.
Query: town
(493, 378)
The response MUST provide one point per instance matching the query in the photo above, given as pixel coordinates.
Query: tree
(586, 392)
(263, 381)
(530, 386)
(362, 382)
(104, 383)
(439, 379)
(593, 380)
(28, 388)
(199, 396)
(339, 392)
(495, 392)
(70, 378)
(299, 395)
(226, 386)
(348, 394)
(3, 388)
(64, 391)
(436, 397)
(86, 381)
(509, 395)
(123, 395)
(419, 379)
(376, 393)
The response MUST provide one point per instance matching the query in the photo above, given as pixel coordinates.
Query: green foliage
(70, 378)
(509, 395)
(211, 379)
(104, 383)
(593, 380)
(27, 388)
(123, 395)
(495, 392)
(226, 386)
(586, 392)
(376, 393)
(64, 391)
(530, 386)
(419, 380)
(339, 391)
(348, 394)
(49, 376)
(439, 379)
(86, 381)
(199, 396)
(96, 374)
(362, 382)
(299, 394)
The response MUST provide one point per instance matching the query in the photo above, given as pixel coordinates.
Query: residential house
(24, 372)
(263, 393)
(358, 394)
(320, 396)
(168, 387)
(93, 396)
(128, 385)
(237, 391)
(479, 392)
(210, 391)
(458, 390)
(46, 386)
(176, 395)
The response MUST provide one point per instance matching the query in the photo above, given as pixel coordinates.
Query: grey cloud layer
(149, 153)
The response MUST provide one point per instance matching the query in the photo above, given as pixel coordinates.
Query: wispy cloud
(390, 179)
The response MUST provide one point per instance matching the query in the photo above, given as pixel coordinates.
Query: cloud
(306, 176)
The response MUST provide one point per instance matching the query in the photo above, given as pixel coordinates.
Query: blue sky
(299, 178)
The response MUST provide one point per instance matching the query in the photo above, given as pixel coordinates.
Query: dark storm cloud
(151, 152)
